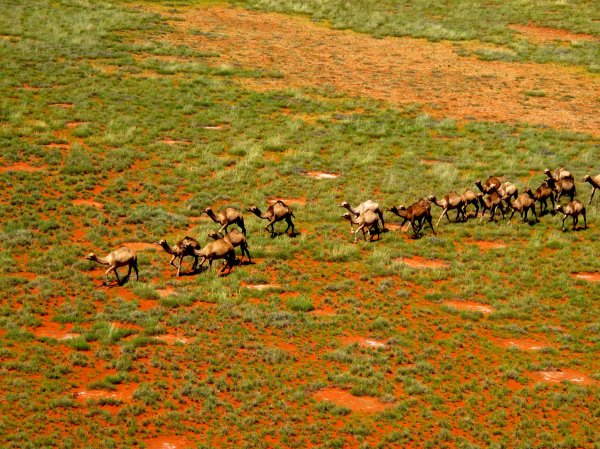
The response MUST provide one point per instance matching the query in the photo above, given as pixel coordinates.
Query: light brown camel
(573, 209)
(228, 216)
(367, 221)
(278, 211)
(542, 194)
(559, 173)
(470, 197)
(368, 205)
(182, 248)
(523, 204)
(119, 258)
(236, 239)
(219, 249)
(487, 186)
(508, 191)
(416, 213)
(452, 201)
(564, 186)
(491, 202)
(595, 183)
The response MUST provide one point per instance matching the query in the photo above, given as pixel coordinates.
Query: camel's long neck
(260, 214)
(168, 248)
(101, 260)
(212, 216)
(354, 210)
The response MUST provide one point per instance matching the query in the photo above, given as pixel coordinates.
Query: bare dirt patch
(91, 203)
(172, 339)
(484, 245)
(172, 442)
(355, 403)
(401, 71)
(123, 393)
(300, 201)
(140, 246)
(364, 342)
(169, 141)
(61, 146)
(562, 375)
(470, 306)
(421, 262)
(321, 175)
(72, 125)
(590, 276)
(323, 311)
(164, 292)
(21, 166)
(542, 35)
(62, 105)
(524, 344)
(54, 330)
(261, 286)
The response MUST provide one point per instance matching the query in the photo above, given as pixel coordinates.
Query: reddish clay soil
(173, 442)
(542, 35)
(300, 201)
(260, 286)
(164, 292)
(72, 125)
(483, 245)
(175, 142)
(91, 203)
(323, 311)
(172, 339)
(355, 403)
(401, 71)
(140, 246)
(429, 161)
(559, 376)
(21, 166)
(62, 146)
(524, 344)
(321, 175)
(54, 330)
(122, 393)
(470, 306)
(421, 262)
(364, 342)
(591, 276)
(62, 105)
(215, 127)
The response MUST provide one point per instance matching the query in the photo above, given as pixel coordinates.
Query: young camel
(563, 186)
(574, 209)
(368, 205)
(594, 181)
(542, 194)
(450, 202)
(487, 187)
(236, 239)
(277, 211)
(226, 217)
(508, 191)
(368, 221)
(415, 214)
(559, 173)
(523, 204)
(219, 249)
(120, 258)
(492, 202)
(182, 248)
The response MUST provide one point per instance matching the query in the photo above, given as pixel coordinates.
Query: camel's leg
(584, 219)
(242, 226)
(444, 212)
(380, 213)
(575, 221)
(563, 222)
(172, 259)
(290, 223)
(195, 264)
(244, 247)
(356, 232)
(112, 268)
(534, 213)
(137, 273)
(428, 218)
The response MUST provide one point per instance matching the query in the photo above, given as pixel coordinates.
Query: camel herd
(493, 196)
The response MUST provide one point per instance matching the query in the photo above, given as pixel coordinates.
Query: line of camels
(493, 195)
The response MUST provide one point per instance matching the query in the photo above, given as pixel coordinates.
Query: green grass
(254, 358)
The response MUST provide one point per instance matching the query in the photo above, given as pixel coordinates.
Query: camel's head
(402, 207)
(214, 235)
(559, 208)
(479, 195)
(586, 178)
(393, 209)
(548, 172)
(478, 182)
(254, 210)
(344, 204)
(90, 256)
(431, 198)
(347, 216)
(161, 242)
(208, 210)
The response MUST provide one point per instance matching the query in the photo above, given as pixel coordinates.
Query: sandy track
(397, 70)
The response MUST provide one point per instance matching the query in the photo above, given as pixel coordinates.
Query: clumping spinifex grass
(254, 358)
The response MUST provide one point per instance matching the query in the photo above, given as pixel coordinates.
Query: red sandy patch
(62, 146)
(72, 125)
(163, 293)
(173, 442)
(470, 306)
(301, 201)
(323, 311)
(364, 342)
(398, 70)
(355, 403)
(175, 142)
(140, 246)
(122, 393)
(54, 330)
(420, 262)
(541, 35)
(429, 161)
(591, 276)
(261, 286)
(21, 166)
(215, 127)
(321, 175)
(88, 203)
(559, 376)
(62, 105)
(172, 339)
(481, 244)
(524, 344)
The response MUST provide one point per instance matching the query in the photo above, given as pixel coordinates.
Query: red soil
(62, 146)
(301, 201)
(321, 175)
(260, 286)
(88, 203)
(21, 166)
(163, 293)
(469, 306)
(62, 105)
(541, 35)
(172, 442)
(481, 244)
(421, 262)
(172, 339)
(364, 342)
(323, 311)
(122, 393)
(141, 246)
(524, 344)
(175, 142)
(72, 125)
(559, 376)
(354, 403)
(54, 330)
(591, 276)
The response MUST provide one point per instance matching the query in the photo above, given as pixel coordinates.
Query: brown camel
(450, 202)
(368, 205)
(278, 211)
(182, 248)
(523, 204)
(236, 239)
(595, 182)
(226, 217)
(219, 249)
(487, 186)
(542, 194)
(492, 202)
(367, 221)
(119, 258)
(416, 213)
(564, 186)
(574, 209)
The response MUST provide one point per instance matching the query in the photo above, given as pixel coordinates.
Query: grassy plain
(113, 134)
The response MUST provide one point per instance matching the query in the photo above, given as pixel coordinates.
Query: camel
(470, 197)
(508, 191)
(523, 204)
(562, 186)
(415, 214)
(119, 258)
(542, 194)
(236, 239)
(594, 181)
(368, 205)
(559, 173)
(486, 188)
(219, 249)
(574, 209)
(451, 201)
(226, 217)
(368, 221)
(182, 248)
(492, 202)
(277, 211)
